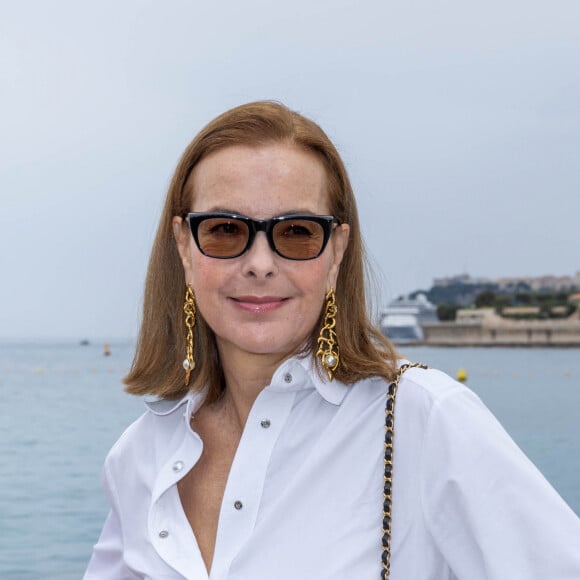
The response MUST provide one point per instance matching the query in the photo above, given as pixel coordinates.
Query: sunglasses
(228, 235)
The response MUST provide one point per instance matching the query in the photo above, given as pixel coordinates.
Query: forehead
(260, 181)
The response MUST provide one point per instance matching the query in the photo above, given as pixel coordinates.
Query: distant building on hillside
(464, 279)
(515, 283)
(539, 283)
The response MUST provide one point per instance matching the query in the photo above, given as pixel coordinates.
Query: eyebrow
(293, 211)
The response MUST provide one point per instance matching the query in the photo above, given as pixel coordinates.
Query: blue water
(63, 407)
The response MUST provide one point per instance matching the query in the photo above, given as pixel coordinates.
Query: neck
(246, 376)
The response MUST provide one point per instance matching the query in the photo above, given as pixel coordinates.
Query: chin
(266, 346)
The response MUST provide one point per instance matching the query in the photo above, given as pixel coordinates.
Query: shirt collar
(160, 406)
(300, 373)
(295, 374)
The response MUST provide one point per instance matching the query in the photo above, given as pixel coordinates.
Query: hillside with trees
(516, 302)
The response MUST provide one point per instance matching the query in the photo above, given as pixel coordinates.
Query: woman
(263, 456)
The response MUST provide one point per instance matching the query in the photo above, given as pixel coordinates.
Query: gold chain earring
(190, 310)
(327, 346)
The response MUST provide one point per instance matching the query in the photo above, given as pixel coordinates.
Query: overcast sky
(459, 123)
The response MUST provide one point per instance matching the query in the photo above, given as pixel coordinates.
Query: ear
(183, 241)
(339, 242)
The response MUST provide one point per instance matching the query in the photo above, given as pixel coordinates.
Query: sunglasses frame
(194, 219)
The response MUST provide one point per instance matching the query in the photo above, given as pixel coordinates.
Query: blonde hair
(157, 366)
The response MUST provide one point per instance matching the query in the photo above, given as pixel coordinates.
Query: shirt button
(178, 466)
(288, 378)
(265, 423)
(163, 534)
(238, 505)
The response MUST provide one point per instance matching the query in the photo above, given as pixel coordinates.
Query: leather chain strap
(388, 479)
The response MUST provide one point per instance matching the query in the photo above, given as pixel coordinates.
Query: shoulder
(428, 384)
(450, 426)
(428, 401)
(431, 389)
(431, 406)
(420, 389)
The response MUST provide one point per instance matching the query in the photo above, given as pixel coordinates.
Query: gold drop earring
(327, 345)
(190, 311)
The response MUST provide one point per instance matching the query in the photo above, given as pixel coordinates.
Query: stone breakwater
(483, 327)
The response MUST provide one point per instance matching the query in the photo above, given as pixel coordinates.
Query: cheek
(314, 284)
(207, 280)
(202, 273)
(208, 271)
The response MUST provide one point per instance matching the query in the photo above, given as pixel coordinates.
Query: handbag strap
(388, 479)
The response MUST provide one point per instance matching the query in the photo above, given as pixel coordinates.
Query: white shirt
(303, 500)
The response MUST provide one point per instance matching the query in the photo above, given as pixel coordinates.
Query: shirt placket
(169, 531)
(243, 493)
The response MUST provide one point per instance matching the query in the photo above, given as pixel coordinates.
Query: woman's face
(260, 302)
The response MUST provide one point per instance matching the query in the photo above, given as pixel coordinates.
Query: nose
(260, 261)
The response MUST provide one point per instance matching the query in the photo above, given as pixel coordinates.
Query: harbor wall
(492, 330)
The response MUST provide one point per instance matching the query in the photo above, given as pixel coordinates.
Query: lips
(259, 304)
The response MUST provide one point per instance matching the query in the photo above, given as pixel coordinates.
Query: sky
(459, 124)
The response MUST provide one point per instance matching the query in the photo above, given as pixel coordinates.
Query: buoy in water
(106, 349)
(461, 375)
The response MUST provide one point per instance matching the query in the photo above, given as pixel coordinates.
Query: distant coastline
(465, 311)
(483, 327)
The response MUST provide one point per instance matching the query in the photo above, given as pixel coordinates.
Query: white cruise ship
(401, 321)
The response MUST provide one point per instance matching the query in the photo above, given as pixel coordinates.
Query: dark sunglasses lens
(298, 239)
(222, 237)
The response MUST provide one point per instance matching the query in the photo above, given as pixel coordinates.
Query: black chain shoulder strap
(388, 480)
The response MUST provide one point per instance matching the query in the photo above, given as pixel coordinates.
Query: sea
(63, 406)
